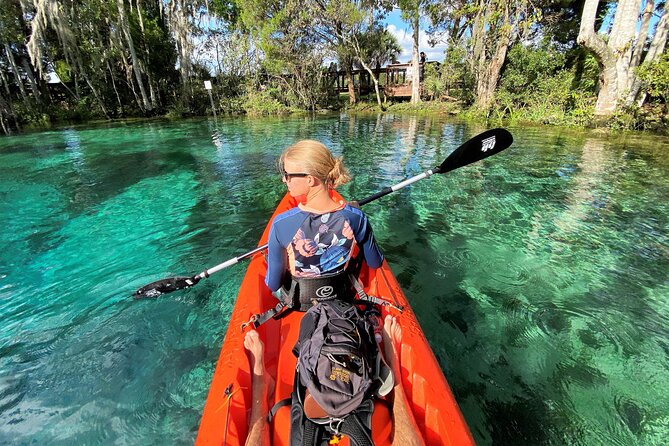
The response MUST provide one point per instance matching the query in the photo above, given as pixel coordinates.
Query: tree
(373, 48)
(293, 48)
(411, 10)
(497, 24)
(620, 52)
(490, 27)
(351, 27)
(287, 31)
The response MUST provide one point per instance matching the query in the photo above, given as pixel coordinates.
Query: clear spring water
(540, 275)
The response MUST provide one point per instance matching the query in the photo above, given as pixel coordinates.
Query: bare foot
(392, 337)
(255, 348)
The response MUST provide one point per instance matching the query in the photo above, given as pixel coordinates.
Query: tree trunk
(118, 98)
(147, 57)
(375, 80)
(17, 76)
(643, 33)
(352, 99)
(488, 71)
(34, 85)
(178, 22)
(5, 109)
(97, 96)
(5, 82)
(615, 56)
(487, 84)
(133, 54)
(655, 50)
(415, 68)
(478, 41)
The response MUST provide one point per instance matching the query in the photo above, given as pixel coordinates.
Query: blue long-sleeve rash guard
(314, 245)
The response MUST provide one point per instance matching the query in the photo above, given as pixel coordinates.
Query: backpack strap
(312, 433)
(357, 433)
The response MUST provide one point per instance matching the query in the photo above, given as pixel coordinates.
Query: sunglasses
(287, 176)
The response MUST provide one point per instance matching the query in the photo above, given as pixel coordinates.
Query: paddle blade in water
(164, 286)
(479, 147)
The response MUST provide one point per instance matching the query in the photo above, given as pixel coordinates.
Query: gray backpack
(336, 376)
(336, 348)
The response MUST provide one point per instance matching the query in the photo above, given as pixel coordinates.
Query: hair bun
(338, 174)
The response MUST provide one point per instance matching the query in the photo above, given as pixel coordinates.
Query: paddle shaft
(477, 148)
(217, 268)
(389, 190)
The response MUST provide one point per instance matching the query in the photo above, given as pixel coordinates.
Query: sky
(404, 34)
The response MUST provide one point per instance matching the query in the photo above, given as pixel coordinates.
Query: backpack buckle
(335, 425)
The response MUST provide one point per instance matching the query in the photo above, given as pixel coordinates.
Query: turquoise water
(540, 275)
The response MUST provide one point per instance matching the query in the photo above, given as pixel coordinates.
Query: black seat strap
(261, 318)
(283, 403)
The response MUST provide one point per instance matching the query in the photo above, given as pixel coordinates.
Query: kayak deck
(225, 416)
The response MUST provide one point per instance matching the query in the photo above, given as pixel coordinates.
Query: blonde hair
(315, 159)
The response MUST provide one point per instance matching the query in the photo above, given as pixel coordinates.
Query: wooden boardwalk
(393, 80)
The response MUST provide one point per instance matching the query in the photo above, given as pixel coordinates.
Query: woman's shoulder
(353, 210)
(287, 215)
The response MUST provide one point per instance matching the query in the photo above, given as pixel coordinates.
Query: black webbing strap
(283, 403)
(353, 428)
(269, 314)
(312, 433)
(362, 296)
(286, 306)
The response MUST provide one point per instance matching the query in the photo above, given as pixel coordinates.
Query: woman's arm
(276, 261)
(370, 250)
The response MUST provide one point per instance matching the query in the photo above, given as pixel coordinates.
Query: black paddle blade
(164, 286)
(479, 147)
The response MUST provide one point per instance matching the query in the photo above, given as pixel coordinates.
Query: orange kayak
(226, 411)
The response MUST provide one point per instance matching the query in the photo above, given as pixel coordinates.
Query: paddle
(479, 147)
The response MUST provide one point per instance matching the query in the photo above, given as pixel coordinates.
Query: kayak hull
(226, 411)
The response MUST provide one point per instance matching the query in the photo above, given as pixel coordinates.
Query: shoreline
(364, 108)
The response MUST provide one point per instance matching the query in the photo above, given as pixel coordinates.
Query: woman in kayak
(319, 237)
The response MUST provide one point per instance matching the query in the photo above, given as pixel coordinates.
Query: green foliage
(451, 79)
(537, 86)
(270, 59)
(526, 67)
(456, 73)
(177, 110)
(227, 10)
(377, 46)
(655, 77)
(263, 102)
(433, 83)
(63, 70)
